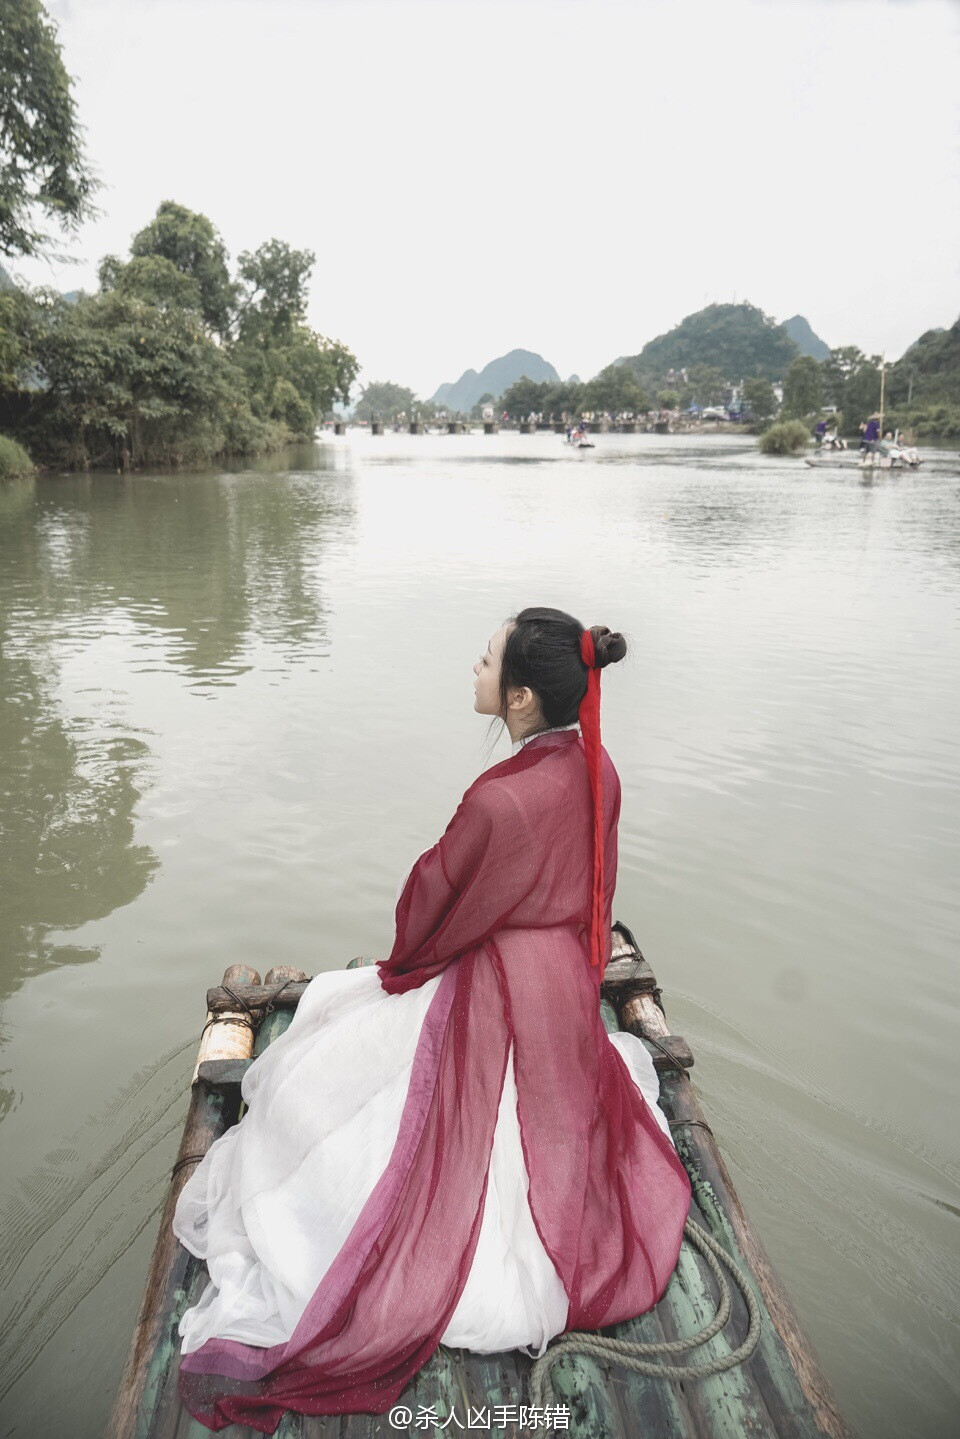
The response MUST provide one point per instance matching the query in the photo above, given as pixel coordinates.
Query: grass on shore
(787, 437)
(14, 460)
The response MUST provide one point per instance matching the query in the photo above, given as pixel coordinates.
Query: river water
(237, 705)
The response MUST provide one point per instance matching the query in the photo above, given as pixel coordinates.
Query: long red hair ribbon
(589, 717)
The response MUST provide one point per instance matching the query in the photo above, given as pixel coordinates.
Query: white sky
(571, 177)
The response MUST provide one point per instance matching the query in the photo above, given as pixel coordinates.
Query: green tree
(382, 399)
(614, 389)
(17, 322)
(192, 245)
(851, 381)
(525, 397)
(286, 404)
(485, 399)
(861, 394)
(759, 396)
(43, 172)
(154, 279)
(802, 389)
(836, 370)
(563, 397)
(320, 370)
(668, 399)
(274, 282)
(705, 385)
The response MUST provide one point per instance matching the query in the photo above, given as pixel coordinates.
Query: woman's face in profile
(487, 670)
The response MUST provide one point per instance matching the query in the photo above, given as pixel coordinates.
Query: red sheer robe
(500, 908)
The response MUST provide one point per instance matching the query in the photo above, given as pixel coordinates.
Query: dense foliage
(383, 400)
(924, 385)
(802, 389)
(851, 382)
(171, 362)
(614, 390)
(737, 340)
(43, 174)
(760, 399)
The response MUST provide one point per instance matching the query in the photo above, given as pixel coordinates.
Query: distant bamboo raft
(779, 1391)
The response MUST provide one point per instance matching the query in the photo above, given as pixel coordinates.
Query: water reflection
(70, 792)
(103, 578)
(70, 783)
(211, 564)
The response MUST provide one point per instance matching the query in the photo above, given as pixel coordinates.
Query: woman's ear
(521, 698)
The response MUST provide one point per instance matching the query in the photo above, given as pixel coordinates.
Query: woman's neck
(520, 740)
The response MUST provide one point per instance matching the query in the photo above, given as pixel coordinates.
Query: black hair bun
(608, 647)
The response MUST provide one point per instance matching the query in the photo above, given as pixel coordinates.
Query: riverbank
(274, 455)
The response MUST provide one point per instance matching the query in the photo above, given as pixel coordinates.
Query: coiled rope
(630, 1355)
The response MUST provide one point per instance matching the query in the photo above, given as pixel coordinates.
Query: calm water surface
(237, 705)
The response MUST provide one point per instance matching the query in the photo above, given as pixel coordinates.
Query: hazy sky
(572, 178)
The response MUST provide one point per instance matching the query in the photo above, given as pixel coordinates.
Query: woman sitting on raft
(448, 1146)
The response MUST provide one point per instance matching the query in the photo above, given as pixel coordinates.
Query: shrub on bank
(787, 437)
(927, 422)
(14, 460)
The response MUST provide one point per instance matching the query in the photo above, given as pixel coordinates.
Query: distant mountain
(574, 380)
(738, 340)
(7, 283)
(804, 338)
(493, 379)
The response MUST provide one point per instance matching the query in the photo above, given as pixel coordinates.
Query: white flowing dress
(275, 1198)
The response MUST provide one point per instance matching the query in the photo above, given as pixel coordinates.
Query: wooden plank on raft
(640, 1014)
(488, 1383)
(580, 1382)
(512, 1365)
(659, 1402)
(785, 1366)
(628, 972)
(256, 996)
(155, 1340)
(434, 1392)
(485, 1392)
(291, 1425)
(725, 1405)
(780, 1390)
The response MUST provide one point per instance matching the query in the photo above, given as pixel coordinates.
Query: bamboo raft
(935, 464)
(778, 1391)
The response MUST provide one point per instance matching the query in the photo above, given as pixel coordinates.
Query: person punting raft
(449, 1146)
